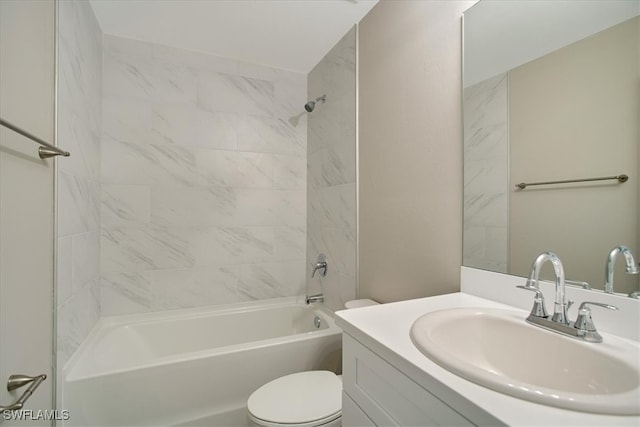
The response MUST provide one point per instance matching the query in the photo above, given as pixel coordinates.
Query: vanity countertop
(384, 329)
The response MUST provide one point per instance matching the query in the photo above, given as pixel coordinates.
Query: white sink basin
(499, 350)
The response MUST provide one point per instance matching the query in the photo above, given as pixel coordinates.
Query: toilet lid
(298, 398)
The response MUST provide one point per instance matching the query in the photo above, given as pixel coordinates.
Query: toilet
(303, 399)
(312, 398)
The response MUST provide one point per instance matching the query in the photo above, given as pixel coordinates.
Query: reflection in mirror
(551, 93)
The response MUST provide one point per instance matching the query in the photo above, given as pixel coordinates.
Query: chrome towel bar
(47, 150)
(620, 178)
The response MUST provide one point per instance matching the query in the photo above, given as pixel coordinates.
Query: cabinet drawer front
(388, 396)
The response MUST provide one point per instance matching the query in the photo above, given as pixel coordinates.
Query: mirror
(551, 94)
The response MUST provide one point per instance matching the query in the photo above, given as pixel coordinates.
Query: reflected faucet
(560, 306)
(631, 266)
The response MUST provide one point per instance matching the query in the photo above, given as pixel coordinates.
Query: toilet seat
(311, 398)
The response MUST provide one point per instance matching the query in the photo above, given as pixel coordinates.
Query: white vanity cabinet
(387, 381)
(378, 394)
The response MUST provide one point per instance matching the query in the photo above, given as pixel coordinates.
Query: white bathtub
(196, 366)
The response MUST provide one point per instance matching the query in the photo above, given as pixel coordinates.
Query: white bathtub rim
(186, 313)
(107, 323)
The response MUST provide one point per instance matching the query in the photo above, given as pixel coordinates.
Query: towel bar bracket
(18, 381)
(46, 151)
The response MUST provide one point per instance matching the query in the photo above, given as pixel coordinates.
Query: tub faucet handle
(321, 264)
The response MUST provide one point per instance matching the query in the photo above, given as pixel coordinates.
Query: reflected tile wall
(78, 179)
(486, 175)
(331, 169)
(204, 180)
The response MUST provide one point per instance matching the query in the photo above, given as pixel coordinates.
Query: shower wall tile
(260, 207)
(79, 133)
(171, 55)
(75, 319)
(135, 164)
(78, 176)
(197, 206)
(144, 248)
(271, 280)
(338, 244)
(331, 175)
(290, 90)
(85, 263)
(203, 172)
(127, 76)
(289, 242)
(173, 124)
(333, 207)
(339, 289)
(64, 267)
(486, 175)
(235, 94)
(235, 169)
(125, 293)
(233, 245)
(201, 286)
(126, 120)
(125, 205)
(289, 173)
(173, 84)
(216, 130)
(124, 47)
(265, 134)
(78, 204)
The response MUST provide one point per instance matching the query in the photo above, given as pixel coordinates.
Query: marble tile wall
(331, 170)
(78, 176)
(203, 177)
(486, 158)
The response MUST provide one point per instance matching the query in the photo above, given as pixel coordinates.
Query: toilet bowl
(303, 399)
(311, 398)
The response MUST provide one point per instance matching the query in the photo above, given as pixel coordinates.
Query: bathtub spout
(314, 298)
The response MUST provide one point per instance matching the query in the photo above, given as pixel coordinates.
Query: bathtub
(193, 367)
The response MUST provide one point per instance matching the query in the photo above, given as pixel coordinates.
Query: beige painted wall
(573, 114)
(26, 198)
(410, 149)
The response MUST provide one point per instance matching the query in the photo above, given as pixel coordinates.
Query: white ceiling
(288, 34)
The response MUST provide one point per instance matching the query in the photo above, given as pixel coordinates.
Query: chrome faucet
(560, 306)
(321, 264)
(631, 266)
(314, 298)
(584, 324)
(583, 328)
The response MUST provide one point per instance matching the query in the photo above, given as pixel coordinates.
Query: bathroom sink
(499, 350)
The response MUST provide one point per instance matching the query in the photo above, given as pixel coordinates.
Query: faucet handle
(538, 309)
(584, 322)
(321, 264)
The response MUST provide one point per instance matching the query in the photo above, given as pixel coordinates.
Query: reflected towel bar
(619, 178)
(47, 150)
